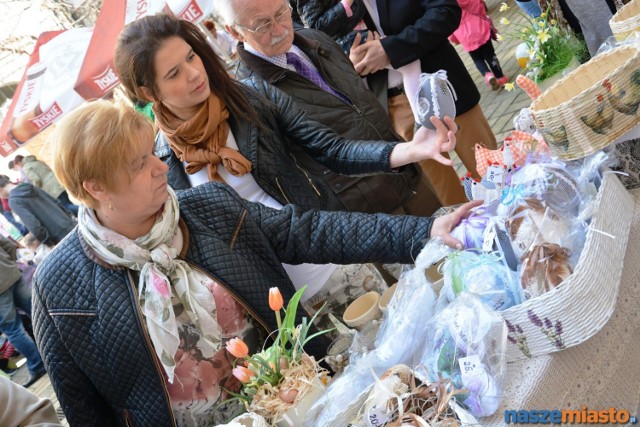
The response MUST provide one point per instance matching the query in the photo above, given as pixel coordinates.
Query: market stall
(537, 312)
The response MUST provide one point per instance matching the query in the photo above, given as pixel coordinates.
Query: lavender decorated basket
(582, 304)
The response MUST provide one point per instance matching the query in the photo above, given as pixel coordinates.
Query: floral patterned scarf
(161, 274)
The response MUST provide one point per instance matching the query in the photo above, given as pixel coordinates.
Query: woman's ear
(148, 94)
(96, 190)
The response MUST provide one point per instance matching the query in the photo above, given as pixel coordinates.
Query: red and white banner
(45, 92)
(71, 66)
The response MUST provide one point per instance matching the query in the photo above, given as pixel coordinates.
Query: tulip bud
(237, 348)
(242, 373)
(275, 299)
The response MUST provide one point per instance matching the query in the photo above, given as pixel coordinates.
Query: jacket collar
(271, 72)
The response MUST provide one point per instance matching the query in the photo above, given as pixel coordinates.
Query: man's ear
(96, 190)
(234, 33)
(148, 94)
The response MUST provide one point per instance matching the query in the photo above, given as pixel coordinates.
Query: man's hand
(427, 144)
(357, 57)
(443, 225)
(369, 57)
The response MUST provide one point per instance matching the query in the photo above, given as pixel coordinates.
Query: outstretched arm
(353, 157)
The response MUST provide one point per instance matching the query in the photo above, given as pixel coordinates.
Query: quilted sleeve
(78, 398)
(341, 237)
(330, 17)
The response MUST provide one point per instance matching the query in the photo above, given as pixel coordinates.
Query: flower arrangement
(277, 378)
(550, 47)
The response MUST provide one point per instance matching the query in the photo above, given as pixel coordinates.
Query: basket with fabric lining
(592, 106)
(582, 304)
(626, 20)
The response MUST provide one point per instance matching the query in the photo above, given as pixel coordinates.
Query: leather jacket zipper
(282, 191)
(354, 106)
(306, 174)
(147, 338)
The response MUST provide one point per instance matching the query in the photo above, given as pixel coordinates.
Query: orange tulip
(242, 373)
(237, 348)
(275, 299)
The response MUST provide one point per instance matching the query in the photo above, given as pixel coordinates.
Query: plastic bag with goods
(466, 342)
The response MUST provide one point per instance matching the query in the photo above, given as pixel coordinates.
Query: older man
(311, 68)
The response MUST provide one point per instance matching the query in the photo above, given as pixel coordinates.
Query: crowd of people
(290, 158)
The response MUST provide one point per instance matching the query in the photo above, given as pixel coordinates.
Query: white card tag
(489, 237)
(377, 417)
(471, 368)
(495, 174)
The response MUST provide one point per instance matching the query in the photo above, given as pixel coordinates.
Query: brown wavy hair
(138, 44)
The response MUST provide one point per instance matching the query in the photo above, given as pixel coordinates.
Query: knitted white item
(435, 97)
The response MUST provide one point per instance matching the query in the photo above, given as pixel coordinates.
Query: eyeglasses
(266, 28)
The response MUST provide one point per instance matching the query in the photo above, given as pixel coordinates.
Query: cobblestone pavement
(501, 106)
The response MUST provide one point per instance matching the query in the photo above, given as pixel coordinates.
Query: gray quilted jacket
(330, 17)
(88, 325)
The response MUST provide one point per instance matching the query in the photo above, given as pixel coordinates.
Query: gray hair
(224, 9)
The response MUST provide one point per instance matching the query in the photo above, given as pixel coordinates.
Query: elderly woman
(133, 308)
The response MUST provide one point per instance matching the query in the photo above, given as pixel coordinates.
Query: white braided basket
(592, 106)
(580, 306)
(626, 20)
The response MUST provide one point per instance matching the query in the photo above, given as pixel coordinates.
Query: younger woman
(221, 130)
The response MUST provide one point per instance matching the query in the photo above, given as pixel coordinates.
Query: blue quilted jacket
(88, 325)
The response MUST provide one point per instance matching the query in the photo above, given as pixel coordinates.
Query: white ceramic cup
(362, 311)
(383, 303)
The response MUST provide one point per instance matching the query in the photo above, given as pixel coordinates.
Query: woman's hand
(443, 225)
(427, 144)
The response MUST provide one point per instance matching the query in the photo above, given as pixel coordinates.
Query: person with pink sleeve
(474, 34)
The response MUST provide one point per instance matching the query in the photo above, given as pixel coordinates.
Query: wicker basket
(626, 20)
(581, 305)
(592, 106)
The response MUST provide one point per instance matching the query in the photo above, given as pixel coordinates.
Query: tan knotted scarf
(201, 140)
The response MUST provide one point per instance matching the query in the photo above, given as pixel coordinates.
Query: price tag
(470, 368)
(489, 237)
(377, 417)
(495, 174)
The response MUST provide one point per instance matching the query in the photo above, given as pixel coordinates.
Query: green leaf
(317, 334)
(292, 308)
(166, 314)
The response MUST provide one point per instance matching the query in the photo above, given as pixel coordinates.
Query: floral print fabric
(203, 379)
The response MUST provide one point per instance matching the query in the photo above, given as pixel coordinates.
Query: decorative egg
(522, 55)
(288, 395)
